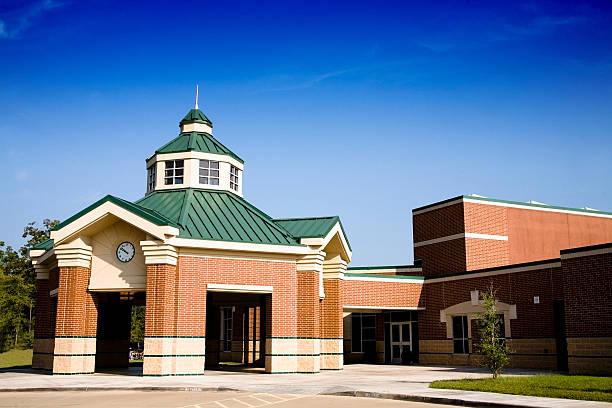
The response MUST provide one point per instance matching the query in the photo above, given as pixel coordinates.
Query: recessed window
(175, 170)
(363, 332)
(234, 178)
(151, 175)
(209, 172)
(226, 328)
(461, 343)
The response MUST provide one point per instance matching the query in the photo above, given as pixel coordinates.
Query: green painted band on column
(332, 369)
(173, 375)
(173, 355)
(292, 355)
(332, 354)
(43, 352)
(80, 373)
(174, 337)
(305, 338)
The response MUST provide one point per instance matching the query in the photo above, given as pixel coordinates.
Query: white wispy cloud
(308, 83)
(14, 22)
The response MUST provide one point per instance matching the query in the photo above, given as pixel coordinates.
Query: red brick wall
(442, 257)
(76, 309)
(533, 320)
(331, 309)
(308, 312)
(280, 275)
(45, 321)
(160, 318)
(438, 223)
(588, 295)
(368, 293)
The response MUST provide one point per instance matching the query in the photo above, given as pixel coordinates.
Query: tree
(491, 344)
(18, 287)
(138, 324)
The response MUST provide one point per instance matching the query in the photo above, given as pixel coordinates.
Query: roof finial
(196, 101)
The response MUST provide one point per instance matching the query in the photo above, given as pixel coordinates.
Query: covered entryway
(235, 329)
(116, 323)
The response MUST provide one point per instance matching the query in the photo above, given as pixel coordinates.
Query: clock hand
(124, 251)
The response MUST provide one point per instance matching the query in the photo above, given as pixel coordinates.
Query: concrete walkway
(379, 381)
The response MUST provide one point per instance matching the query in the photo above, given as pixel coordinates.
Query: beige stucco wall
(107, 272)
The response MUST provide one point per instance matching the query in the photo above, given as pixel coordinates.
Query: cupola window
(209, 172)
(234, 178)
(175, 170)
(151, 174)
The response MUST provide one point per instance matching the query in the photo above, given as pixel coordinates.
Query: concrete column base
(174, 356)
(74, 355)
(332, 357)
(42, 357)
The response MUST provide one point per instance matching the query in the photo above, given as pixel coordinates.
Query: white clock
(125, 251)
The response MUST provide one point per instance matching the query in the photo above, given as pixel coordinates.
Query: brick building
(222, 281)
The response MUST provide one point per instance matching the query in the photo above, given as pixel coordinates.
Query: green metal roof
(216, 215)
(196, 141)
(196, 116)
(45, 245)
(146, 213)
(315, 227)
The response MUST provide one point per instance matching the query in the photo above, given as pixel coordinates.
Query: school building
(222, 281)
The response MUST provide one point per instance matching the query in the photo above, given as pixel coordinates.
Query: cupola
(195, 159)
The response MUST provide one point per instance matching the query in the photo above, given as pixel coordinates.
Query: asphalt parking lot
(187, 399)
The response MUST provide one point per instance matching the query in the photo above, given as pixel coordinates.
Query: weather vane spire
(196, 100)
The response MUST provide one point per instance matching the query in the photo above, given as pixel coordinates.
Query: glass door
(400, 340)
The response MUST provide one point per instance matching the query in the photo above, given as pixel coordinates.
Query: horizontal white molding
(509, 205)
(459, 236)
(218, 287)
(238, 246)
(262, 258)
(496, 272)
(592, 252)
(349, 308)
(381, 279)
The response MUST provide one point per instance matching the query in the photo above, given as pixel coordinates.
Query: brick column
(331, 314)
(175, 317)
(77, 314)
(309, 271)
(44, 331)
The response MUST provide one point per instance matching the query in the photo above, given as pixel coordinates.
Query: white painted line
(242, 402)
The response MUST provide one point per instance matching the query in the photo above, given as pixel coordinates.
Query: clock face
(125, 251)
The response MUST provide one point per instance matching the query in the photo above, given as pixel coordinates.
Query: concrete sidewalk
(378, 381)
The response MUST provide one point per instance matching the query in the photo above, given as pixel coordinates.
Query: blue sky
(360, 109)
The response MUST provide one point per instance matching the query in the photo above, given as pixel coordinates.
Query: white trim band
(508, 205)
(496, 272)
(380, 308)
(381, 279)
(459, 236)
(219, 287)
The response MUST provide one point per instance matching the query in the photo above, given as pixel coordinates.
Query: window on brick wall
(226, 328)
(363, 332)
(461, 344)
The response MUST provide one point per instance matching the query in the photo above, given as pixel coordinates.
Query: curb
(359, 394)
(426, 399)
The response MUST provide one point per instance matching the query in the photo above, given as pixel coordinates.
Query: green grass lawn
(553, 386)
(16, 359)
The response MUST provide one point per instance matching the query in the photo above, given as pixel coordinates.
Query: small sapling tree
(491, 345)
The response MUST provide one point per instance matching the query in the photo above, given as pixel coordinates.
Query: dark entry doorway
(235, 330)
(113, 337)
